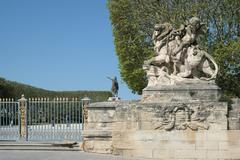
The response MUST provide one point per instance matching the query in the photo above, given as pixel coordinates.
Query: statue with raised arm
(115, 87)
(178, 55)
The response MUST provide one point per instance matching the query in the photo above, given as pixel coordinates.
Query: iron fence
(9, 124)
(42, 119)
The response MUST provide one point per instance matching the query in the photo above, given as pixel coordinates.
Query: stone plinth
(181, 93)
(98, 129)
(153, 144)
(113, 127)
(176, 123)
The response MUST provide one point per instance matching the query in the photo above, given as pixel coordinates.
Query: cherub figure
(160, 35)
(191, 30)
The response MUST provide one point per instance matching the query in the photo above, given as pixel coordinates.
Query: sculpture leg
(187, 70)
(174, 68)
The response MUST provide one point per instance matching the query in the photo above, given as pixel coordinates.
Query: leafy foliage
(228, 59)
(9, 89)
(133, 21)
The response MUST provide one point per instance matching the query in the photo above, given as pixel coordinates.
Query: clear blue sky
(58, 45)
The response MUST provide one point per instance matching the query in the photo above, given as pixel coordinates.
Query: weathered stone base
(135, 129)
(177, 144)
(171, 130)
(97, 131)
(181, 93)
(171, 116)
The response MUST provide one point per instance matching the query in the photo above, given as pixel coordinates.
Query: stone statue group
(178, 56)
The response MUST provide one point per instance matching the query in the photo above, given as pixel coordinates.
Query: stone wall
(178, 144)
(171, 116)
(98, 129)
(234, 115)
(196, 130)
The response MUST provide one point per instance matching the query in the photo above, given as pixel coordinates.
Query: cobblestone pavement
(55, 155)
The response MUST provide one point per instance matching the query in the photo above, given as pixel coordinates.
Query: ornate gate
(42, 119)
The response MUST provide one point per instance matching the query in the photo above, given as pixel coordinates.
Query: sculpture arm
(109, 78)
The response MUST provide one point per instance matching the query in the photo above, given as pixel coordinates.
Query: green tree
(228, 59)
(133, 21)
(9, 89)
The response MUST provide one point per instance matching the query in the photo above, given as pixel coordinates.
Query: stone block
(138, 153)
(96, 133)
(233, 123)
(219, 126)
(145, 125)
(127, 125)
(233, 136)
(117, 134)
(217, 136)
(163, 154)
(236, 104)
(181, 93)
(141, 136)
(101, 115)
(99, 126)
(223, 154)
(207, 145)
(98, 146)
(230, 146)
(186, 135)
(186, 154)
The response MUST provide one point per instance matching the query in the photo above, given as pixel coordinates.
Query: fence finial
(22, 98)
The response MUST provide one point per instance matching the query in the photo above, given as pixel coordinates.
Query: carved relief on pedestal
(182, 117)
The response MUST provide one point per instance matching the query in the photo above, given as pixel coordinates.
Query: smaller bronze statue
(115, 87)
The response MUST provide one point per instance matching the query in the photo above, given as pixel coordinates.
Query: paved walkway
(55, 155)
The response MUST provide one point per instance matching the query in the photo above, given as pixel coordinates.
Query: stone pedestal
(181, 93)
(98, 129)
(109, 120)
(170, 122)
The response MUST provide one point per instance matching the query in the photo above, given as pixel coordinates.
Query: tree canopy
(10, 89)
(133, 23)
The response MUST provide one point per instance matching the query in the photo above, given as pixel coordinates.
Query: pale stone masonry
(98, 130)
(126, 128)
(179, 144)
(234, 114)
(179, 115)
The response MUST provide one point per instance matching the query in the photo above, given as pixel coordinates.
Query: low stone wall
(170, 116)
(196, 130)
(177, 144)
(98, 129)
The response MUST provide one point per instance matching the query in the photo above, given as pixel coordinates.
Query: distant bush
(9, 89)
